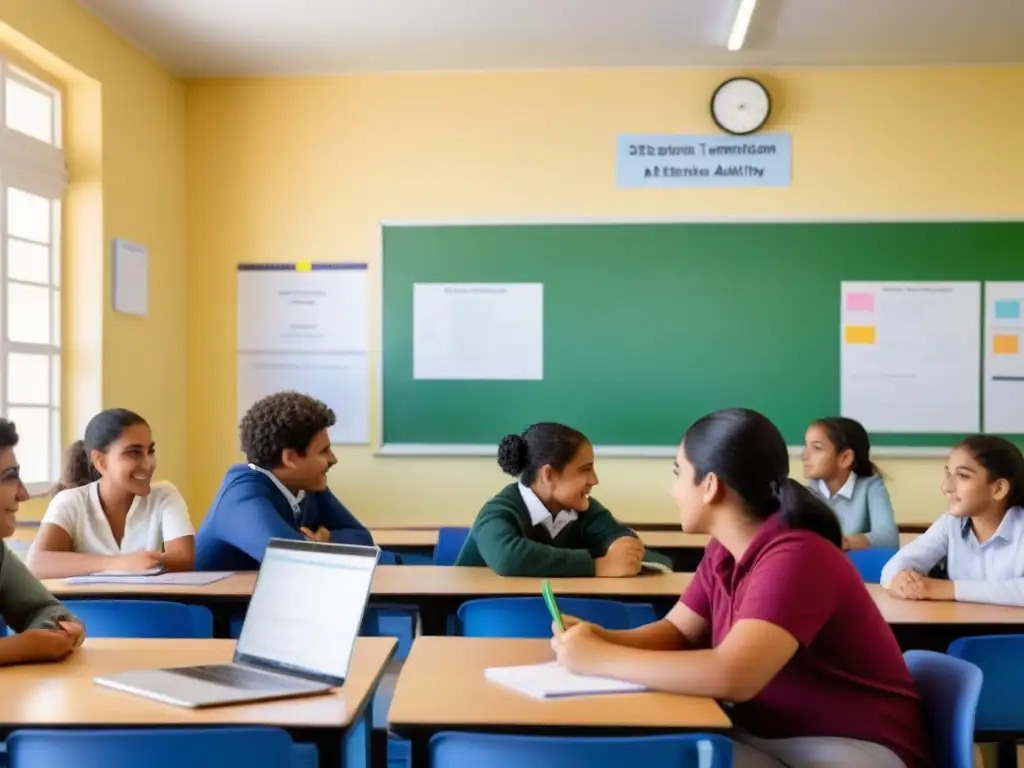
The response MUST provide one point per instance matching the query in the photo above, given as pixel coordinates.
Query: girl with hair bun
(546, 523)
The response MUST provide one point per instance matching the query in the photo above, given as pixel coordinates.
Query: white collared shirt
(846, 491)
(539, 514)
(152, 520)
(292, 499)
(992, 572)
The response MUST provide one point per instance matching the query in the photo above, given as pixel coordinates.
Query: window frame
(31, 165)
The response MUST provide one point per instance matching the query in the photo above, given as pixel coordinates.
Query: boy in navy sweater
(282, 492)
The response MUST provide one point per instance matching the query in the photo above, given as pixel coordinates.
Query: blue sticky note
(1008, 309)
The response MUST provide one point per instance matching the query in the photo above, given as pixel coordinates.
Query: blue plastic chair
(163, 748)
(869, 562)
(1000, 715)
(949, 689)
(529, 617)
(457, 750)
(142, 618)
(449, 544)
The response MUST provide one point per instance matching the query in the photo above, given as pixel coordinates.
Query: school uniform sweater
(506, 539)
(250, 509)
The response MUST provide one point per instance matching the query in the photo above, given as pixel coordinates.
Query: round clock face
(740, 106)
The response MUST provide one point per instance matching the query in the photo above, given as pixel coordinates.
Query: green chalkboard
(650, 326)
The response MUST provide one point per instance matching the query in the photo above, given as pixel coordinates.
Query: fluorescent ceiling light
(742, 23)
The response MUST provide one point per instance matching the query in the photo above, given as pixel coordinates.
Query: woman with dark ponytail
(106, 513)
(776, 620)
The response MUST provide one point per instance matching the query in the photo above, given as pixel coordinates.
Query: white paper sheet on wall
(305, 327)
(481, 331)
(910, 355)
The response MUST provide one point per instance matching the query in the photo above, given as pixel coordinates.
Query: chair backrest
(869, 562)
(142, 618)
(156, 748)
(949, 690)
(695, 750)
(529, 617)
(449, 544)
(1001, 660)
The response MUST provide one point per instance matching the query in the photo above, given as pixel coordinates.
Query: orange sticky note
(1005, 344)
(860, 334)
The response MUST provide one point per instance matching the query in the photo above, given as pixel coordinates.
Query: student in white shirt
(106, 512)
(981, 537)
(837, 462)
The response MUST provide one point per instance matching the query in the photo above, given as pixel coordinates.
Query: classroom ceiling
(215, 38)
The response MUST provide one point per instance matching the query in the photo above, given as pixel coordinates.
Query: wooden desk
(236, 587)
(64, 694)
(454, 667)
(685, 549)
(438, 591)
(226, 598)
(934, 625)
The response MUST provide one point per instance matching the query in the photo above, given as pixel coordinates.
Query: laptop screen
(307, 606)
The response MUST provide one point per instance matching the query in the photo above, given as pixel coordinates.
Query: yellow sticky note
(1005, 344)
(860, 334)
(303, 266)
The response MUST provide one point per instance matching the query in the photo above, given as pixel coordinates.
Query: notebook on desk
(553, 681)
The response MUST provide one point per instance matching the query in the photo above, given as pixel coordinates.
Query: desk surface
(896, 611)
(442, 581)
(413, 537)
(65, 694)
(410, 580)
(238, 586)
(455, 666)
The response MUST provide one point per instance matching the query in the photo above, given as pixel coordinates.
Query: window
(32, 182)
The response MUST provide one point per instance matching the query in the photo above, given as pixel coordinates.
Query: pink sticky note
(860, 302)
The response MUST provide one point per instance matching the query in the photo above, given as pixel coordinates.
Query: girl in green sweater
(546, 523)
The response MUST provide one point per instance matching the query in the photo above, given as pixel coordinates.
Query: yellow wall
(126, 148)
(306, 168)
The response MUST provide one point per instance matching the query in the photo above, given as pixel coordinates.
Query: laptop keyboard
(234, 676)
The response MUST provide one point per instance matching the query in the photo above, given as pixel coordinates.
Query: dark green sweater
(24, 602)
(505, 539)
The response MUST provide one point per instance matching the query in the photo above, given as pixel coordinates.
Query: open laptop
(297, 639)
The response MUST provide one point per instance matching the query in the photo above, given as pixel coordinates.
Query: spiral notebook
(552, 681)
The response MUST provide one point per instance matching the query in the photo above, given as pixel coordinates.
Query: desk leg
(420, 751)
(357, 747)
(433, 619)
(1006, 754)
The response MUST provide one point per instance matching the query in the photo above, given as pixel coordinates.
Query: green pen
(549, 601)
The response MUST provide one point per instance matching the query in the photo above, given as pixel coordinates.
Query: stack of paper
(552, 680)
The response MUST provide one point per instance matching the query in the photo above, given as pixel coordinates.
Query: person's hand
(917, 587)
(567, 622)
(76, 630)
(846, 544)
(44, 645)
(321, 534)
(579, 649)
(139, 561)
(624, 558)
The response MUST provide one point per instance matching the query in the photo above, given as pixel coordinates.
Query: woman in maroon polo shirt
(776, 621)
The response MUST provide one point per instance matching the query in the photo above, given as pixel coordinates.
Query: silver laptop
(297, 639)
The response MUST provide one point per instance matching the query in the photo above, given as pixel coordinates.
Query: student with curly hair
(281, 492)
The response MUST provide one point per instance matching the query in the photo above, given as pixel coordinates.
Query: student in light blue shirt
(981, 536)
(837, 464)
